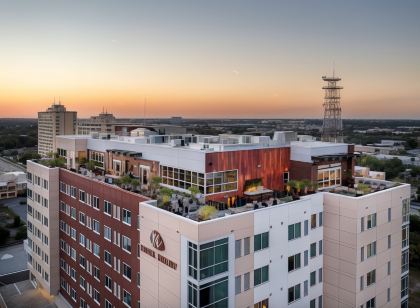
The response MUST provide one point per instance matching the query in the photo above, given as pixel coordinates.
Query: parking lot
(23, 294)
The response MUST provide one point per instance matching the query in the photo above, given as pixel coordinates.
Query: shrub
(206, 212)
(16, 221)
(4, 235)
(21, 233)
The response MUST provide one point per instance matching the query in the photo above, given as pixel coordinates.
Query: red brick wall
(121, 198)
(272, 163)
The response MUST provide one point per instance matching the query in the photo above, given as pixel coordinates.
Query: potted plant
(206, 212)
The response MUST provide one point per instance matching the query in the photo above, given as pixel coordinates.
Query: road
(8, 166)
(12, 259)
(15, 206)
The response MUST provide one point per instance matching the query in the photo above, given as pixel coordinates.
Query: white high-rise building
(56, 120)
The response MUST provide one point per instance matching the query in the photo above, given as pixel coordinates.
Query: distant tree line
(18, 133)
(392, 167)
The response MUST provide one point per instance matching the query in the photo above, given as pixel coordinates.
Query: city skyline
(240, 59)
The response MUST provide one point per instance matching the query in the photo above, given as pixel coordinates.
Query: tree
(155, 184)
(28, 155)
(4, 235)
(90, 165)
(411, 143)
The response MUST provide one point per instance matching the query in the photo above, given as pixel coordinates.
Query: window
(389, 214)
(389, 268)
(215, 293)
(126, 243)
(371, 221)
(305, 227)
(405, 236)
(261, 241)
(312, 303)
(362, 224)
(305, 288)
(126, 217)
(261, 275)
(82, 218)
(217, 182)
(107, 304)
(330, 176)
(126, 298)
(262, 304)
(107, 208)
(238, 284)
(107, 233)
(238, 248)
(362, 254)
(312, 278)
(247, 246)
(294, 262)
(95, 203)
(388, 295)
(96, 273)
(82, 239)
(73, 213)
(73, 294)
(313, 221)
(96, 226)
(96, 296)
(370, 303)
(371, 278)
(404, 261)
(294, 231)
(127, 271)
(82, 282)
(294, 293)
(361, 283)
(320, 301)
(371, 250)
(192, 295)
(107, 257)
(320, 275)
(96, 249)
(313, 250)
(108, 282)
(82, 196)
(186, 178)
(404, 286)
(320, 247)
(406, 210)
(389, 241)
(320, 218)
(305, 258)
(247, 281)
(213, 258)
(82, 261)
(192, 260)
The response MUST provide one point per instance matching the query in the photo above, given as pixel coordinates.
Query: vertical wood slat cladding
(121, 198)
(273, 162)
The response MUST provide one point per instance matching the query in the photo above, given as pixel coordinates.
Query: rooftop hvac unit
(176, 142)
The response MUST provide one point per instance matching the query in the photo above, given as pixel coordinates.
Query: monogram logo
(157, 241)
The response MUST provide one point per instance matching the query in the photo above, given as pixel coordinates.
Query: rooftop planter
(206, 212)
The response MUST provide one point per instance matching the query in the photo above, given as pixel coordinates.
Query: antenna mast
(332, 128)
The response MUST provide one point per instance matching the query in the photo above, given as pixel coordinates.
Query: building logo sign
(157, 240)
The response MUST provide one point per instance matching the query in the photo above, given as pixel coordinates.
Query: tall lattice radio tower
(332, 128)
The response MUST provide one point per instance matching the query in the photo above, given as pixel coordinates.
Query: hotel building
(263, 240)
(106, 123)
(56, 120)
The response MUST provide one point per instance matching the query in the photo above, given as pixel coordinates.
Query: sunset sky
(215, 58)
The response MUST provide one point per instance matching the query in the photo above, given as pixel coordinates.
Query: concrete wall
(343, 241)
